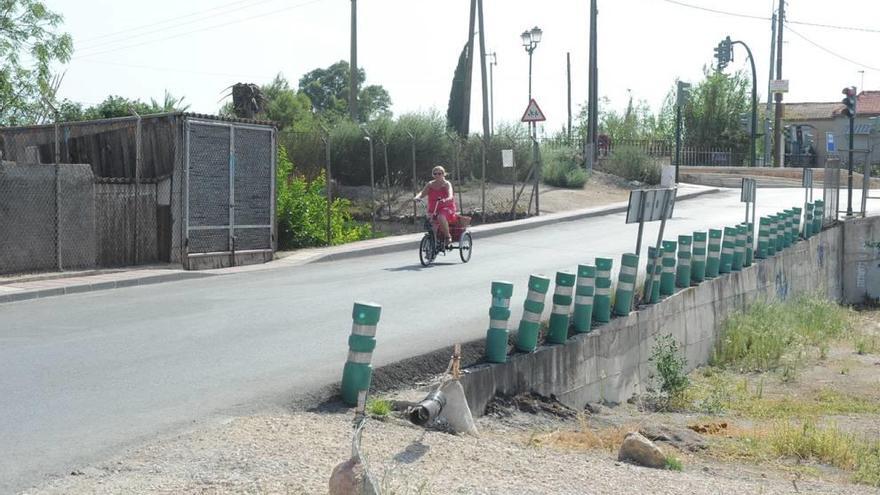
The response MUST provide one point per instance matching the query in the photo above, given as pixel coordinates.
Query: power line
(830, 51)
(157, 23)
(168, 69)
(127, 37)
(831, 26)
(198, 30)
(715, 11)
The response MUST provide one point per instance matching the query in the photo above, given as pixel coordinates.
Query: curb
(411, 241)
(25, 295)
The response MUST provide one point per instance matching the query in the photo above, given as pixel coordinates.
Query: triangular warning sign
(533, 113)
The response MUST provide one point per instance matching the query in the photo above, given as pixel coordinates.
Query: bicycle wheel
(426, 250)
(465, 247)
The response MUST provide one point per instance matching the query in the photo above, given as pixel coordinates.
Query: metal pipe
(428, 409)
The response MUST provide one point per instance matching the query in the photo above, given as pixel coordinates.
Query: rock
(597, 408)
(350, 478)
(641, 451)
(681, 438)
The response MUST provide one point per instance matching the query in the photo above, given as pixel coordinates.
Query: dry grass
(584, 438)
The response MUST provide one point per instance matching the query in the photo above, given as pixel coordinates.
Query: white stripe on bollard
(628, 286)
(668, 269)
(700, 245)
(588, 300)
(586, 283)
(560, 309)
(684, 262)
(499, 324)
(562, 290)
(603, 274)
(366, 330)
(535, 296)
(727, 251)
(628, 270)
(360, 357)
(603, 291)
(531, 317)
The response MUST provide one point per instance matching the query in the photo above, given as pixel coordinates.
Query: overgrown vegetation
(562, 168)
(670, 366)
(674, 463)
(632, 163)
(770, 336)
(302, 211)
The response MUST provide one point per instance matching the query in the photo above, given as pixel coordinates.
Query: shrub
(632, 163)
(301, 207)
(670, 366)
(562, 168)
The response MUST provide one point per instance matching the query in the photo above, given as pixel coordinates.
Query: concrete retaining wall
(611, 363)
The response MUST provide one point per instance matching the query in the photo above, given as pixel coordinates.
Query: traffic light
(724, 53)
(849, 102)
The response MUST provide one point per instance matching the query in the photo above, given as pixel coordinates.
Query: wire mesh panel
(27, 218)
(208, 187)
(253, 174)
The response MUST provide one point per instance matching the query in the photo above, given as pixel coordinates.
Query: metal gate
(230, 187)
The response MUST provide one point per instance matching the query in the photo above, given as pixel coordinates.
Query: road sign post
(650, 205)
(532, 116)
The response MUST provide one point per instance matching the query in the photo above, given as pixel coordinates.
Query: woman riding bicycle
(440, 200)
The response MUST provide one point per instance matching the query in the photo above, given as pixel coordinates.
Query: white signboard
(747, 194)
(653, 205)
(779, 86)
(507, 158)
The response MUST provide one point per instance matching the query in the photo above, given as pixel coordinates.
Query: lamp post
(530, 40)
(368, 138)
(493, 62)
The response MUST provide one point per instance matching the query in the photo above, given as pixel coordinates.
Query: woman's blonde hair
(440, 168)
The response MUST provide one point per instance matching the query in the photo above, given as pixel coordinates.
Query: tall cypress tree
(459, 110)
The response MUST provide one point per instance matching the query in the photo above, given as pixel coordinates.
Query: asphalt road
(84, 376)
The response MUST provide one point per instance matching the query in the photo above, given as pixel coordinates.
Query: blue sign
(830, 147)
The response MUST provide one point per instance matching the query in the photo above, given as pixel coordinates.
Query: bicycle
(432, 245)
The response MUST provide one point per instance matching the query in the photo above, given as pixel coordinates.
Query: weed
(674, 464)
(379, 407)
(866, 345)
(670, 366)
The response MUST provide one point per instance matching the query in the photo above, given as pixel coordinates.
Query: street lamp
(493, 62)
(530, 40)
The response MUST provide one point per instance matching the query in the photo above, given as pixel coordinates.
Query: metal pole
(767, 144)
(387, 176)
(57, 192)
(677, 138)
(849, 176)
(753, 137)
(778, 146)
(487, 132)
(641, 224)
(568, 77)
(657, 258)
(137, 182)
(492, 93)
(531, 49)
(414, 179)
(329, 179)
(353, 66)
(537, 168)
(372, 182)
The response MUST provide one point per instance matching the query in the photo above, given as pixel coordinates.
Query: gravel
(295, 452)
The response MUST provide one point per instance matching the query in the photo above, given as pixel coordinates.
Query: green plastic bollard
(533, 308)
(602, 298)
(626, 283)
(728, 247)
(654, 279)
(683, 265)
(667, 276)
(818, 215)
(787, 224)
(698, 258)
(562, 299)
(808, 220)
(582, 318)
(796, 227)
(499, 313)
(750, 244)
(763, 237)
(713, 258)
(739, 249)
(771, 236)
(780, 232)
(358, 370)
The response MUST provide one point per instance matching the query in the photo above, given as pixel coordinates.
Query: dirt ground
(526, 444)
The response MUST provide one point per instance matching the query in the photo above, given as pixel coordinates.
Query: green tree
(118, 106)
(458, 111)
(328, 90)
(28, 27)
(291, 109)
(711, 116)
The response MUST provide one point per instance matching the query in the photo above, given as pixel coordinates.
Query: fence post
(602, 298)
(698, 258)
(583, 300)
(499, 313)
(533, 307)
(562, 298)
(728, 247)
(667, 277)
(358, 369)
(626, 281)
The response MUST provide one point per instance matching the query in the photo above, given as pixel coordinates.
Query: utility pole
(593, 104)
(778, 145)
(466, 116)
(568, 76)
(353, 65)
(492, 92)
(486, 132)
(767, 127)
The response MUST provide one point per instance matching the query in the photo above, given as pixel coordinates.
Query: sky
(198, 48)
